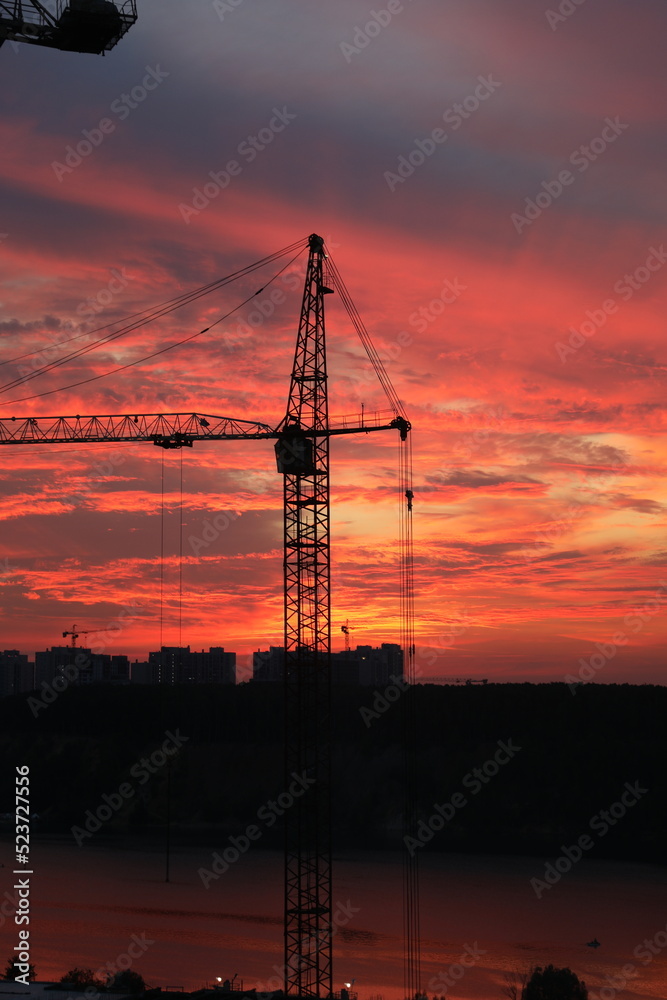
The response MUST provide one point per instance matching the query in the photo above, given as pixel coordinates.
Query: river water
(87, 903)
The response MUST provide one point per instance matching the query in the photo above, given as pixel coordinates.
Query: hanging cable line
(411, 920)
(180, 559)
(365, 338)
(163, 350)
(161, 550)
(169, 305)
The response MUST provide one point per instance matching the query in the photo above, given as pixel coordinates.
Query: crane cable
(174, 303)
(180, 549)
(411, 917)
(161, 551)
(365, 338)
(411, 913)
(180, 557)
(155, 314)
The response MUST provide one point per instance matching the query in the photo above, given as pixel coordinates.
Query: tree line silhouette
(577, 752)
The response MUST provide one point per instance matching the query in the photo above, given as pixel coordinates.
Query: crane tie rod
(144, 317)
(364, 336)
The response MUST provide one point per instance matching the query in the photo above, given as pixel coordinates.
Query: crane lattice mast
(304, 461)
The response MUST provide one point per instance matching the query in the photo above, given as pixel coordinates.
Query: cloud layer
(490, 181)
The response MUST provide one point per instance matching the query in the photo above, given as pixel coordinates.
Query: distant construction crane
(346, 629)
(75, 634)
(454, 680)
(92, 26)
(302, 455)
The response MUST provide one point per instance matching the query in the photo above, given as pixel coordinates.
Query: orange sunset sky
(490, 180)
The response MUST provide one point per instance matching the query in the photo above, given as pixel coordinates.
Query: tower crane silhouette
(92, 26)
(76, 633)
(454, 680)
(302, 456)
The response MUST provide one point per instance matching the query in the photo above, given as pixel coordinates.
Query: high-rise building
(367, 665)
(80, 666)
(16, 672)
(268, 664)
(143, 672)
(377, 666)
(180, 665)
(63, 661)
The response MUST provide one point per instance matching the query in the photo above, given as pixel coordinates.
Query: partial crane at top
(92, 26)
